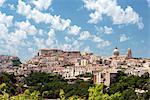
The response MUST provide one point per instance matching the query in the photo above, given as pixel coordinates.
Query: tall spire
(129, 53)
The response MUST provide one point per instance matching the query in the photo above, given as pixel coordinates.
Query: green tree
(62, 95)
(126, 85)
(16, 62)
(3, 94)
(49, 85)
(10, 81)
(97, 93)
(116, 96)
(27, 95)
(129, 94)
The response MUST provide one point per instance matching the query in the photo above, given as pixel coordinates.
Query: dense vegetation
(49, 85)
(127, 85)
(10, 81)
(42, 85)
(16, 62)
(27, 95)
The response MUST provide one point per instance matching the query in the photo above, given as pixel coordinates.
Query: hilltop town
(70, 64)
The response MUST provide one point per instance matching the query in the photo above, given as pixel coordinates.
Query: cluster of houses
(8, 61)
(70, 64)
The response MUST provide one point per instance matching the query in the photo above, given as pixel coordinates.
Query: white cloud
(87, 49)
(100, 42)
(4, 31)
(23, 8)
(112, 9)
(84, 35)
(76, 45)
(65, 47)
(67, 39)
(1, 2)
(11, 50)
(41, 32)
(42, 4)
(39, 43)
(123, 38)
(104, 44)
(56, 22)
(105, 29)
(74, 30)
(36, 15)
(17, 37)
(7, 20)
(60, 24)
(39, 17)
(13, 39)
(27, 27)
(32, 52)
(97, 39)
(51, 41)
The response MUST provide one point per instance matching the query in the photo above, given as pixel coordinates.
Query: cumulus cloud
(74, 30)
(112, 9)
(97, 39)
(14, 38)
(104, 44)
(23, 8)
(4, 31)
(1, 2)
(17, 37)
(39, 17)
(42, 4)
(6, 19)
(84, 35)
(28, 35)
(87, 49)
(123, 38)
(65, 47)
(27, 27)
(39, 43)
(51, 38)
(67, 39)
(9, 41)
(59, 23)
(76, 45)
(36, 15)
(56, 21)
(105, 29)
(101, 43)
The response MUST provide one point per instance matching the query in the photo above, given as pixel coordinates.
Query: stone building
(107, 76)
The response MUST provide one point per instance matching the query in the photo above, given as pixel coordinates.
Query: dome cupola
(116, 52)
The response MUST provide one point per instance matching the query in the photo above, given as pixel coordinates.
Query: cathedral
(116, 54)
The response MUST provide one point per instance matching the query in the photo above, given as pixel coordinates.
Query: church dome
(116, 52)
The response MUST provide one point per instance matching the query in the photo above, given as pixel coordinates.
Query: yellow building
(84, 62)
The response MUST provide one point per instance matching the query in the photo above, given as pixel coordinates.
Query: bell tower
(129, 53)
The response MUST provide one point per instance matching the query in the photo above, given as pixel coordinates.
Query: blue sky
(96, 26)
